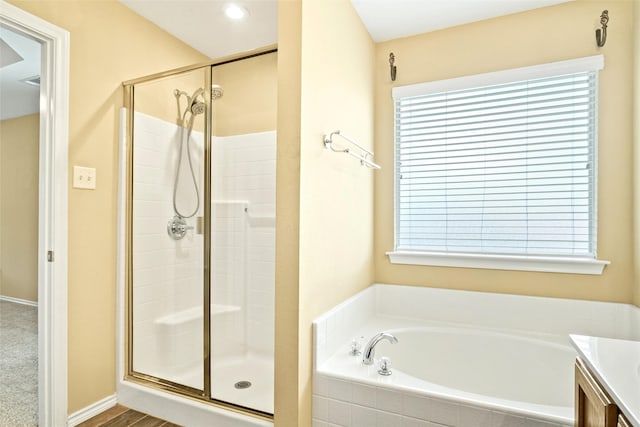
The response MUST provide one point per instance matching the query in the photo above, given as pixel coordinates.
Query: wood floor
(121, 416)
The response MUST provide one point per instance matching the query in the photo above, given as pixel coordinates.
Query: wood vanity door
(593, 407)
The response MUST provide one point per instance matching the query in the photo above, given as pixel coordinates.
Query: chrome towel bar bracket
(364, 154)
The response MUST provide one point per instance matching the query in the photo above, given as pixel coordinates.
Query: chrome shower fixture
(216, 91)
(177, 227)
(196, 107)
(195, 102)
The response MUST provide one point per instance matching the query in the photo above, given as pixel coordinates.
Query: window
(499, 166)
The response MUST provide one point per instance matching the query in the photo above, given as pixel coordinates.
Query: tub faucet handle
(355, 348)
(385, 365)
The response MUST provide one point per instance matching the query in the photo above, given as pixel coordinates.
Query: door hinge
(50, 256)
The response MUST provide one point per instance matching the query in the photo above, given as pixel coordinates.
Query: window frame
(544, 263)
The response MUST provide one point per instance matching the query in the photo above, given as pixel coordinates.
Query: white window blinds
(507, 167)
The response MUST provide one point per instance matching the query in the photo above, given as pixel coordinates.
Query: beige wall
(287, 299)
(109, 44)
(539, 36)
(250, 88)
(636, 164)
(250, 92)
(19, 148)
(332, 210)
(157, 98)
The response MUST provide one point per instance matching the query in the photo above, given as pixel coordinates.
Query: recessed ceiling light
(235, 12)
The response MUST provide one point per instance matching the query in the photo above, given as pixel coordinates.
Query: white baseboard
(19, 301)
(92, 410)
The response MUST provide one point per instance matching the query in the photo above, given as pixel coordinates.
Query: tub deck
(470, 359)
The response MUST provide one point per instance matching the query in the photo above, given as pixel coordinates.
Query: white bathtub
(497, 366)
(463, 359)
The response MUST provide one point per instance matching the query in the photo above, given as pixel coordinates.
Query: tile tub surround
(368, 312)
(339, 402)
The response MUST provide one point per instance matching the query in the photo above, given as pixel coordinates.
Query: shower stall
(200, 232)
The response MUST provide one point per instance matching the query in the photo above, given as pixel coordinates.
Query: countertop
(616, 365)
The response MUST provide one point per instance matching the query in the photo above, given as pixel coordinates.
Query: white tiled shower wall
(244, 171)
(228, 278)
(168, 274)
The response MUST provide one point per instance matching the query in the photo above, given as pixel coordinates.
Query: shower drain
(242, 385)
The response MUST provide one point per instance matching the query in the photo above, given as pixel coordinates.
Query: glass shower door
(201, 232)
(243, 147)
(169, 293)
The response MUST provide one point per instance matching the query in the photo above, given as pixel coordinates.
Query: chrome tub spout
(370, 349)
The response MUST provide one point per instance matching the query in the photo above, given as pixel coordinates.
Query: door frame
(52, 210)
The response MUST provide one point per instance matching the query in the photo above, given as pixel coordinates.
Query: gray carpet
(18, 365)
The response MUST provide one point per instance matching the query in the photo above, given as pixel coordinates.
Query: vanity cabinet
(622, 421)
(593, 406)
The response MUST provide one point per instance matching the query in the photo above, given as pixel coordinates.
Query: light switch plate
(84, 177)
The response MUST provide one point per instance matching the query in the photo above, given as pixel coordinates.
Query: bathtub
(501, 367)
(463, 359)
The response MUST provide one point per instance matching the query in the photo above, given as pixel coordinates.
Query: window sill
(501, 262)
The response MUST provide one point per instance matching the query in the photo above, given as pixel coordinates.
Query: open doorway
(19, 169)
(33, 215)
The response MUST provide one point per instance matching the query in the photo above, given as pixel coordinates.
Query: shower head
(195, 103)
(216, 91)
(195, 106)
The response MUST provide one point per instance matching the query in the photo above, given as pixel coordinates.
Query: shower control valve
(177, 227)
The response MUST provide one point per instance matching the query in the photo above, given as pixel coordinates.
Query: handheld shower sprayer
(196, 102)
(195, 106)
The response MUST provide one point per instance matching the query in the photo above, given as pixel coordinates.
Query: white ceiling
(202, 25)
(392, 19)
(18, 98)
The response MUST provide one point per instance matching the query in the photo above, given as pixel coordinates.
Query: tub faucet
(370, 349)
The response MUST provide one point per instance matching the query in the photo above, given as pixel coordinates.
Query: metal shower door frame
(204, 395)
